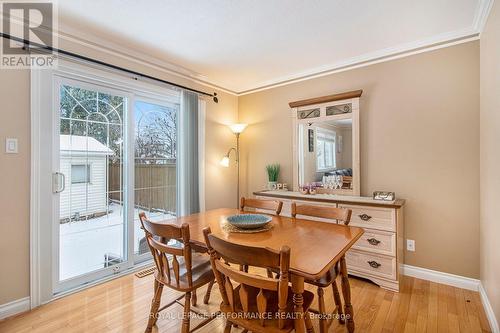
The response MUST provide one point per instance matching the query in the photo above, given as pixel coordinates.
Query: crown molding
(65, 33)
(132, 55)
(404, 50)
(96, 42)
(482, 12)
(70, 35)
(400, 51)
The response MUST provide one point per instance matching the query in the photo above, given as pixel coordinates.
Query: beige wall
(419, 137)
(490, 159)
(15, 169)
(14, 185)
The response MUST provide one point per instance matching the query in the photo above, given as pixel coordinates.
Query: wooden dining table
(315, 247)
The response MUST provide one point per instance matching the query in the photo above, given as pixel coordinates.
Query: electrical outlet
(410, 245)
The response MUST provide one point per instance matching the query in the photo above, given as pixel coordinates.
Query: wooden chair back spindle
(340, 214)
(250, 289)
(158, 236)
(271, 205)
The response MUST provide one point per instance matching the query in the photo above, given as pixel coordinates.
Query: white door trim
(34, 190)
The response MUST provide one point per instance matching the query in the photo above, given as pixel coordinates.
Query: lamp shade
(237, 128)
(225, 161)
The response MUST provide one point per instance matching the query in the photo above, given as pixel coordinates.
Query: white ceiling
(242, 45)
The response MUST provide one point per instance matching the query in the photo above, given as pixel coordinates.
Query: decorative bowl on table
(249, 221)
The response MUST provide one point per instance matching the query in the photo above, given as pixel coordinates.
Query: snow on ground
(84, 243)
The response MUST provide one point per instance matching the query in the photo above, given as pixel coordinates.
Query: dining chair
(254, 302)
(180, 265)
(273, 206)
(342, 215)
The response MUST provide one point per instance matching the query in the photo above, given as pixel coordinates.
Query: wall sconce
(237, 129)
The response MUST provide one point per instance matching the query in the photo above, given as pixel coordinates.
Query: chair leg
(338, 302)
(155, 305)
(227, 329)
(159, 289)
(155, 286)
(209, 290)
(187, 313)
(308, 322)
(322, 311)
(346, 292)
(194, 298)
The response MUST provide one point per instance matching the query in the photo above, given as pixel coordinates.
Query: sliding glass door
(92, 219)
(114, 156)
(155, 165)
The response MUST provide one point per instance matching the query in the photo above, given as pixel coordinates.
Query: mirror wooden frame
(321, 104)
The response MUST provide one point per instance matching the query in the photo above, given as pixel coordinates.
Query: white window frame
(327, 133)
(88, 173)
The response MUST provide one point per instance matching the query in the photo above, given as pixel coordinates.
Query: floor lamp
(237, 129)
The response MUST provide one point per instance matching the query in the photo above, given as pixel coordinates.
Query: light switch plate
(11, 146)
(410, 245)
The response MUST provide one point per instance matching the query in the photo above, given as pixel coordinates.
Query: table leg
(298, 301)
(346, 291)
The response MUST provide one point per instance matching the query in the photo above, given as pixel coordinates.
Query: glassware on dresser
(304, 189)
(312, 189)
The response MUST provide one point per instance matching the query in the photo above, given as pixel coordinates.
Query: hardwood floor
(122, 305)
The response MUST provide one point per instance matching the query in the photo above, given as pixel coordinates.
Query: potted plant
(273, 171)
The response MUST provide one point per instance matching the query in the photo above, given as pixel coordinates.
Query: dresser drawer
(372, 217)
(376, 241)
(377, 265)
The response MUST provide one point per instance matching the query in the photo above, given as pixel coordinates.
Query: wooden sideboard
(378, 254)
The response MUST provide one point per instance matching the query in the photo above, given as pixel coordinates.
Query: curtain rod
(28, 43)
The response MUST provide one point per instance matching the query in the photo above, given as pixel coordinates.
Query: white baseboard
(456, 281)
(441, 277)
(489, 310)
(14, 307)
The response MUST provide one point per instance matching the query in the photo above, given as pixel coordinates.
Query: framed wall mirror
(326, 144)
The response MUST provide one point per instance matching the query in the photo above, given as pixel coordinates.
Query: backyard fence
(155, 184)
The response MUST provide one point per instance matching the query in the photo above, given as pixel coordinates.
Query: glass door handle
(58, 182)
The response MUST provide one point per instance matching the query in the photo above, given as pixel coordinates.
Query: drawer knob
(374, 264)
(373, 241)
(365, 217)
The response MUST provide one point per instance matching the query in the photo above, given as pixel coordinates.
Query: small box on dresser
(378, 254)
